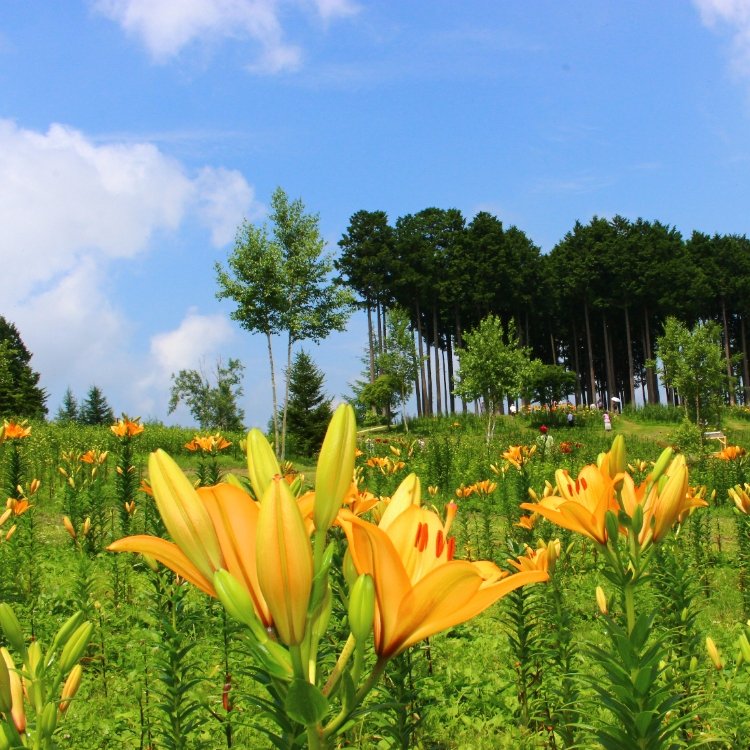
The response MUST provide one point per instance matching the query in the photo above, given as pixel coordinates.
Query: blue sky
(135, 135)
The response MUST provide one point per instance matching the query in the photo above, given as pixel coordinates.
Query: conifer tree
(95, 410)
(309, 410)
(68, 411)
(20, 394)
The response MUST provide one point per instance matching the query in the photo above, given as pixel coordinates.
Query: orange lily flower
(731, 453)
(127, 427)
(580, 506)
(420, 589)
(213, 528)
(16, 430)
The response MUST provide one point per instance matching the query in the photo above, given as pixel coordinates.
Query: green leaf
(305, 703)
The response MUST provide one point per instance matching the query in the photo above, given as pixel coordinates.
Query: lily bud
(76, 645)
(362, 607)
(262, 465)
(617, 461)
(335, 466)
(713, 652)
(350, 572)
(284, 562)
(661, 464)
(69, 527)
(6, 699)
(601, 600)
(16, 692)
(184, 514)
(12, 629)
(63, 635)
(238, 603)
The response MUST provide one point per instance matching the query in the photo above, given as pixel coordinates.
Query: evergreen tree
(68, 411)
(95, 410)
(20, 394)
(309, 410)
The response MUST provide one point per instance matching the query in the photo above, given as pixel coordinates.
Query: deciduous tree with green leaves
(280, 279)
(492, 366)
(213, 406)
(692, 361)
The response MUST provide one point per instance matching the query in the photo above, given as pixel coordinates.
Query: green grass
(462, 688)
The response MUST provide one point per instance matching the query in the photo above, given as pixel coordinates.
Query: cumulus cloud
(64, 198)
(188, 345)
(166, 27)
(734, 14)
(70, 209)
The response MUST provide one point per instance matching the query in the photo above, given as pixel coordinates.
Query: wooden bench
(716, 435)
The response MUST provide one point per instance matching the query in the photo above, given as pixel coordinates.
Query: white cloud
(64, 198)
(166, 27)
(70, 208)
(736, 15)
(191, 343)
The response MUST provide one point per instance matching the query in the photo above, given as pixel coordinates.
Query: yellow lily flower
(741, 496)
(213, 527)
(580, 506)
(420, 589)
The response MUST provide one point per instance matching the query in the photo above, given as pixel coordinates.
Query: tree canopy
(20, 393)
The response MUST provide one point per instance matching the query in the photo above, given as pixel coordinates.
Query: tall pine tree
(20, 394)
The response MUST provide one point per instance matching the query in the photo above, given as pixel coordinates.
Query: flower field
(555, 588)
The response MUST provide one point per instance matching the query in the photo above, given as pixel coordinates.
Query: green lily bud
(48, 722)
(617, 461)
(6, 699)
(12, 629)
(75, 646)
(63, 634)
(612, 525)
(661, 464)
(238, 603)
(335, 466)
(362, 607)
(347, 566)
(745, 648)
(34, 659)
(262, 465)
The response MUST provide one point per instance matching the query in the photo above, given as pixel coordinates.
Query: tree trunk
(727, 353)
(371, 343)
(436, 346)
(590, 352)
(577, 366)
(289, 344)
(459, 345)
(745, 363)
(274, 400)
(417, 390)
(631, 370)
(451, 398)
(423, 362)
(607, 390)
(651, 379)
